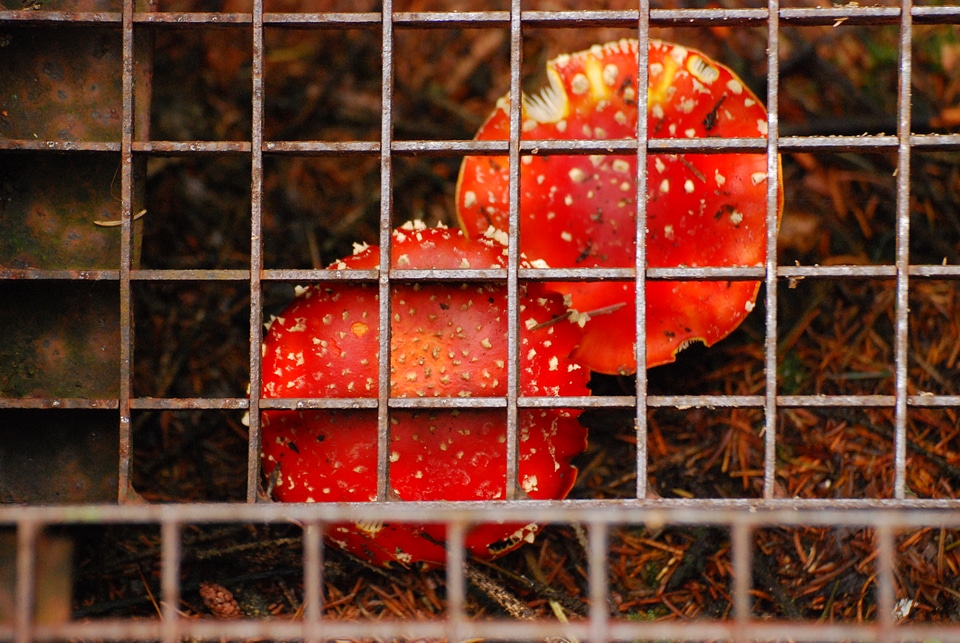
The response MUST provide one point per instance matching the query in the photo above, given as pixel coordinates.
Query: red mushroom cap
(331, 456)
(446, 340)
(417, 247)
(580, 211)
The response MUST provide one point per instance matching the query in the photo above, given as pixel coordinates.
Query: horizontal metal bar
(206, 19)
(705, 401)
(580, 19)
(180, 148)
(425, 147)
(451, 19)
(785, 401)
(350, 20)
(448, 402)
(864, 143)
(318, 275)
(573, 402)
(800, 16)
(935, 271)
(319, 403)
(42, 145)
(823, 401)
(867, 142)
(58, 403)
(321, 148)
(935, 15)
(189, 403)
(446, 147)
(486, 629)
(850, 14)
(838, 512)
(629, 145)
(847, 15)
(935, 142)
(931, 400)
(448, 275)
(725, 273)
(192, 274)
(79, 18)
(578, 402)
(720, 273)
(845, 270)
(7, 274)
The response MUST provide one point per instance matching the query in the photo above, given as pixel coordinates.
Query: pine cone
(220, 601)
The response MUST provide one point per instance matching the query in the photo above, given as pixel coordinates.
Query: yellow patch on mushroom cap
(660, 84)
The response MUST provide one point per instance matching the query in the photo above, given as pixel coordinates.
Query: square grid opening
(797, 479)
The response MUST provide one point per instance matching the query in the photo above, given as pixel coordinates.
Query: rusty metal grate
(742, 518)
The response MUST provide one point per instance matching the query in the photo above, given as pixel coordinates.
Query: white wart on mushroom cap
(580, 211)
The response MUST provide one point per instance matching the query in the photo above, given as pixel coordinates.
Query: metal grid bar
(125, 484)
(26, 584)
(839, 143)
(170, 580)
(456, 581)
(256, 251)
(773, 202)
(740, 542)
(386, 209)
(513, 251)
(885, 585)
(597, 537)
(313, 579)
(497, 630)
(903, 253)
(851, 271)
(643, 400)
(802, 16)
(523, 402)
(742, 516)
(786, 512)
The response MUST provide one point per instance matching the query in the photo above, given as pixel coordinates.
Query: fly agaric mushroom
(446, 340)
(331, 456)
(703, 210)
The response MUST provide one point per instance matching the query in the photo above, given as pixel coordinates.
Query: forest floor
(835, 336)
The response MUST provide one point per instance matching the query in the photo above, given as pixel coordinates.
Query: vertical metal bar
(170, 579)
(124, 482)
(740, 540)
(886, 593)
(456, 579)
(26, 581)
(773, 206)
(597, 540)
(312, 580)
(256, 252)
(643, 71)
(386, 212)
(901, 340)
(513, 249)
